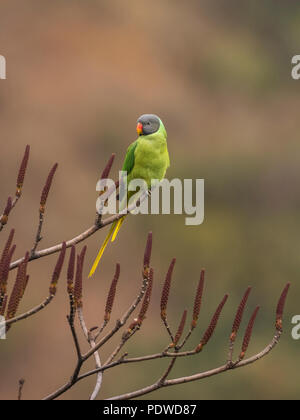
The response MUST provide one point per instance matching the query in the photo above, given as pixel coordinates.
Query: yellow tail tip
(100, 253)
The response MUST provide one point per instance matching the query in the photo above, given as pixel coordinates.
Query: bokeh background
(219, 75)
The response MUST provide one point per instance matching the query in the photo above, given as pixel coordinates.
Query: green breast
(151, 158)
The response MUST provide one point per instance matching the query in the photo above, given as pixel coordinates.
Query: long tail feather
(95, 265)
(118, 227)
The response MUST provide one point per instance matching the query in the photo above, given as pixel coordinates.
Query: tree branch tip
(280, 306)
(148, 250)
(93, 328)
(107, 169)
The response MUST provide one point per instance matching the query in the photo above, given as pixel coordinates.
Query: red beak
(139, 128)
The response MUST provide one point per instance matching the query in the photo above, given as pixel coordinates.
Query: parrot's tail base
(113, 232)
(118, 227)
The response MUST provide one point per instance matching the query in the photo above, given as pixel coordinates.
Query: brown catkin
(82, 255)
(280, 306)
(4, 270)
(147, 254)
(71, 267)
(248, 333)
(8, 207)
(25, 285)
(198, 300)
(22, 170)
(166, 290)
(213, 323)
(3, 305)
(111, 294)
(46, 188)
(78, 284)
(146, 300)
(57, 269)
(7, 247)
(108, 166)
(18, 289)
(239, 315)
(180, 328)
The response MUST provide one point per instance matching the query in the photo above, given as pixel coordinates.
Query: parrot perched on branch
(147, 158)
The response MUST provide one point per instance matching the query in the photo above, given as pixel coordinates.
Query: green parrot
(147, 158)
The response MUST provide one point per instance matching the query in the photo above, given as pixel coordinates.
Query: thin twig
(137, 322)
(167, 372)
(90, 340)
(119, 347)
(121, 321)
(162, 382)
(31, 312)
(103, 325)
(78, 352)
(38, 236)
(198, 376)
(21, 384)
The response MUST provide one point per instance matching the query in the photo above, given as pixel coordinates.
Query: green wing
(129, 158)
(128, 163)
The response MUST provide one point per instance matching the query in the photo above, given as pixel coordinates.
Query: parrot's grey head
(147, 124)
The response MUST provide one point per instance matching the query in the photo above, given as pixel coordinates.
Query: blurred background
(218, 73)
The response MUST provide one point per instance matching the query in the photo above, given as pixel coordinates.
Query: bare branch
(31, 312)
(121, 322)
(91, 341)
(137, 322)
(21, 384)
(163, 382)
(78, 351)
(199, 376)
